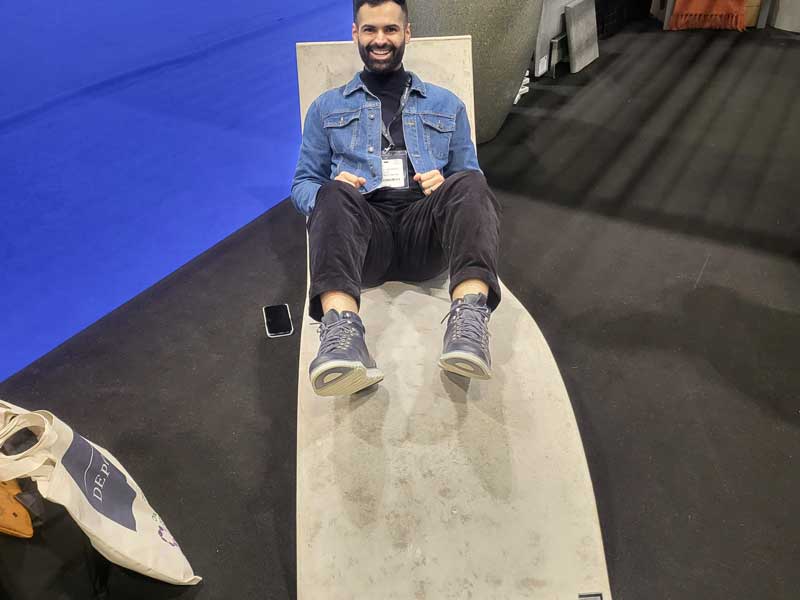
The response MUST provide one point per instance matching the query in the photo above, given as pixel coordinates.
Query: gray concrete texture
(786, 15)
(551, 25)
(581, 34)
(432, 486)
(503, 40)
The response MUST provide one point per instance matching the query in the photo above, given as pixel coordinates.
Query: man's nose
(380, 38)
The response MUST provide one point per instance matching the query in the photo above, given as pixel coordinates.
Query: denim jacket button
(371, 116)
(371, 149)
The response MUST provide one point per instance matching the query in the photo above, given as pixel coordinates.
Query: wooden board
(752, 8)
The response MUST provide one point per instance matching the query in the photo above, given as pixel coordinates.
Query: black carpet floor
(184, 388)
(651, 227)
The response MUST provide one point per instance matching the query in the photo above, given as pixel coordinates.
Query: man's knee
(470, 178)
(336, 187)
(467, 184)
(337, 194)
(470, 187)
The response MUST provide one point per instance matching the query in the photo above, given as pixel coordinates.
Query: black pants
(360, 241)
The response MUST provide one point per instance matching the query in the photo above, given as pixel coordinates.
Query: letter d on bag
(102, 483)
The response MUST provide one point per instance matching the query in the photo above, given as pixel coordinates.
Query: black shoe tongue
(478, 299)
(351, 316)
(331, 317)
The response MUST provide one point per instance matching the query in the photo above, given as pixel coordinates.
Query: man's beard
(387, 65)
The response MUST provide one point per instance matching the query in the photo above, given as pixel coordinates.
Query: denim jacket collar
(417, 85)
(339, 136)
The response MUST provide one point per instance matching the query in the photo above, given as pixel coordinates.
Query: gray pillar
(503, 39)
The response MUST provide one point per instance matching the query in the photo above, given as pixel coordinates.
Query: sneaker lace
(469, 323)
(336, 336)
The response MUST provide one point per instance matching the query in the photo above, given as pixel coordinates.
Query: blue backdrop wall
(134, 136)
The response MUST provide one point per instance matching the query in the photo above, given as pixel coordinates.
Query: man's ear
(408, 32)
(355, 33)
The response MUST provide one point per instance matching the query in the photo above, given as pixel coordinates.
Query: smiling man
(389, 178)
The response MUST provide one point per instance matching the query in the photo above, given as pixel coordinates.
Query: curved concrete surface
(433, 486)
(504, 38)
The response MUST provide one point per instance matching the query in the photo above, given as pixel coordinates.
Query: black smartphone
(278, 321)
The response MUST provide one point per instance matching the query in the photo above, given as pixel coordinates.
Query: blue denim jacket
(342, 132)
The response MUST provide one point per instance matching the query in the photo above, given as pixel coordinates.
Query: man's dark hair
(357, 4)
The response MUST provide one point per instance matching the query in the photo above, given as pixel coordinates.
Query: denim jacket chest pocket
(438, 130)
(342, 130)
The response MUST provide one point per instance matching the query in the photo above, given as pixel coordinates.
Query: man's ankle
(338, 301)
(470, 286)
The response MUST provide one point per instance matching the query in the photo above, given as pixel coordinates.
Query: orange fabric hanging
(708, 14)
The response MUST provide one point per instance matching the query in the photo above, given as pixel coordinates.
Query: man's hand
(429, 181)
(356, 182)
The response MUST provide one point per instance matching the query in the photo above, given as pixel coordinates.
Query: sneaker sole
(466, 365)
(342, 378)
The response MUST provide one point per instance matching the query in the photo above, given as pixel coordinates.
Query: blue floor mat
(109, 184)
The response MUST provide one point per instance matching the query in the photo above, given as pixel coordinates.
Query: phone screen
(278, 320)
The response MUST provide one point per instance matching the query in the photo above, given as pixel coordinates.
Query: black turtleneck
(389, 88)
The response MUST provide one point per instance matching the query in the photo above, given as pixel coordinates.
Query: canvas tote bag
(98, 493)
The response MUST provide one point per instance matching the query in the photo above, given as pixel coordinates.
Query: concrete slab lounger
(430, 485)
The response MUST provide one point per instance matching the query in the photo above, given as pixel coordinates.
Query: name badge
(395, 170)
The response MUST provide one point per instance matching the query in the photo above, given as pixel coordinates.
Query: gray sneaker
(343, 365)
(466, 341)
